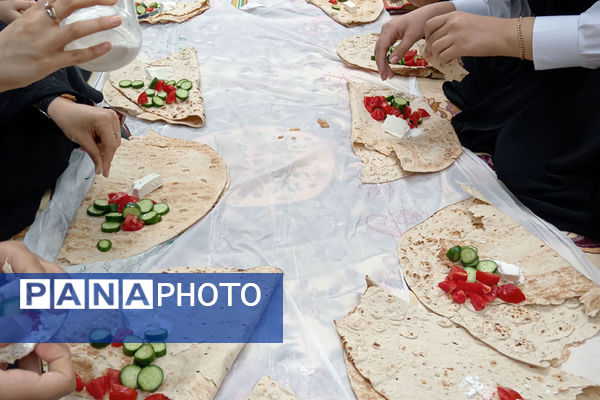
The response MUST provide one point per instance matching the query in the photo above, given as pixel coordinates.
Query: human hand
(33, 45)
(12, 9)
(26, 383)
(24, 261)
(408, 29)
(458, 34)
(96, 130)
(421, 3)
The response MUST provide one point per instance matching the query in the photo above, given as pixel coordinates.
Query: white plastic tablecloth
(295, 202)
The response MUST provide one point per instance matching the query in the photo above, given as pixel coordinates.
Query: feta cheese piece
(350, 7)
(149, 183)
(509, 272)
(163, 73)
(168, 5)
(396, 126)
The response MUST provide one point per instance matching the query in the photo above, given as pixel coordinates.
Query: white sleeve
(494, 8)
(567, 41)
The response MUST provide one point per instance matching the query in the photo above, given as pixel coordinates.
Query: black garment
(542, 127)
(33, 150)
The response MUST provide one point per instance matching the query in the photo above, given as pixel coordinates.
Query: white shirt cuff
(478, 7)
(555, 42)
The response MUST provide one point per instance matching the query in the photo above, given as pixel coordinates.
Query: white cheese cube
(149, 183)
(164, 73)
(396, 126)
(509, 272)
(350, 7)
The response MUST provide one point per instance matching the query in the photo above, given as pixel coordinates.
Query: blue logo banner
(175, 308)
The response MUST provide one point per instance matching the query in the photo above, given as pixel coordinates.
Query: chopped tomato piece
(149, 9)
(508, 394)
(98, 387)
(421, 62)
(415, 117)
(169, 88)
(333, 1)
(120, 392)
(121, 198)
(113, 376)
(457, 274)
(157, 396)
(407, 111)
(113, 344)
(447, 286)
(160, 86)
(378, 114)
(373, 102)
(411, 53)
(487, 278)
(511, 294)
(423, 113)
(475, 287)
(79, 385)
(459, 296)
(142, 99)
(171, 98)
(388, 109)
(477, 301)
(132, 223)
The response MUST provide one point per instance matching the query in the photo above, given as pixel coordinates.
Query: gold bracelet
(520, 37)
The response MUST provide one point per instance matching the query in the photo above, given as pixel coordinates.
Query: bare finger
(449, 54)
(75, 57)
(64, 8)
(23, 4)
(109, 136)
(89, 146)
(60, 378)
(404, 45)
(77, 30)
(433, 24)
(437, 47)
(31, 362)
(384, 42)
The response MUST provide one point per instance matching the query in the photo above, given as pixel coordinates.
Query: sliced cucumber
(471, 274)
(161, 208)
(150, 378)
(453, 253)
(467, 255)
(114, 207)
(125, 83)
(158, 102)
(172, 83)
(153, 82)
(156, 335)
(160, 349)
(137, 84)
(110, 226)
(94, 212)
(114, 216)
(144, 355)
(140, 9)
(132, 208)
(145, 205)
(187, 85)
(104, 245)
(473, 264)
(150, 92)
(471, 247)
(180, 82)
(182, 94)
(162, 94)
(131, 344)
(399, 102)
(153, 5)
(100, 338)
(149, 103)
(129, 376)
(487, 266)
(336, 7)
(101, 204)
(150, 218)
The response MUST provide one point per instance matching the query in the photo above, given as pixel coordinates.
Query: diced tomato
(495, 291)
(113, 344)
(459, 296)
(149, 9)
(169, 88)
(457, 274)
(407, 111)
(112, 375)
(411, 53)
(142, 99)
(171, 98)
(447, 286)
(79, 385)
(333, 1)
(372, 102)
(415, 117)
(423, 113)
(157, 396)
(98, 387)
(378, 114)
(508, 394)
(120, 392)
(487, 278)
(477, 301)
(160, 85)
(474, 287)
(121, 198)
(421, 62)
(132, 223)
(511, 294)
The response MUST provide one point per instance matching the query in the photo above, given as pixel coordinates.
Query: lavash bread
(386, 158)
(366, 11)
(404, 352)
(195, 178)
(561, 306)
(183, 11)
(357, 51)
(452, 71)
(192, 371)
(185, 65)
(267, 389)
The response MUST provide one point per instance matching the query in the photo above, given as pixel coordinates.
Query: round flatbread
(366, 11)
(180, 12)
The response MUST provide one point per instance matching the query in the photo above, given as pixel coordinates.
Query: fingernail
(115, 20)
(106, 46)
(394, 59)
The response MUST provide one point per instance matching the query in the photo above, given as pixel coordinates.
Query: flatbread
(366, 11)
(403, 352)
(538, 331)
(267, 389)
(181, 12)
(452, 71)
(195, 178)
(192, 371)
(435, 149)
(356, 51)
(185, 65)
